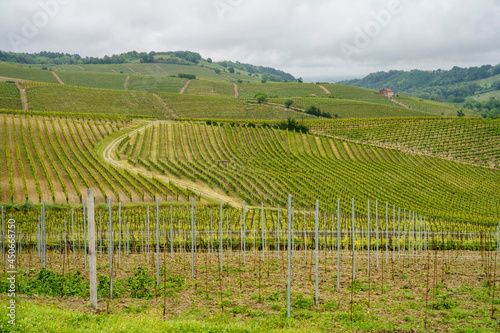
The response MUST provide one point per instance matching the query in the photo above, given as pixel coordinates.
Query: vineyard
(93, 80)
(280, 90)
(252, 263)
(210, 88)
(26, 73)
(345, 108)
(261, 163)
(52, 159)
(216, 211)
(9, 96)
(88, 100)
(470, 140)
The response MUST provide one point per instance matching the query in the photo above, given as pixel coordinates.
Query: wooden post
(92, 259)
(289, 255)
(158, 242)
(317, 250)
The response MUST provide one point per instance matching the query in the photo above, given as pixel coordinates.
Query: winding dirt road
(205, 191)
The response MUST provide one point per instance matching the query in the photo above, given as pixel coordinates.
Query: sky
(319, 40)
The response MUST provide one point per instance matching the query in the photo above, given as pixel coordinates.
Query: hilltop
(452, 86)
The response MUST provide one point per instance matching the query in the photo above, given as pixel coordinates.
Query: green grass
(9, 96)
(93, 80)
(89, 100)
(282, 90)
(155, 83)
(345, 108)
(26, 73)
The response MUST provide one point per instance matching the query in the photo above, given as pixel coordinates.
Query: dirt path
(125, 84)
(164, 71)
(205, 191)
(236, 93)
(183, 89)
(402, 104)
(5, 79)
(57, 78)
(167, 108)
(81, 68)
(130, 69)
(324, 89)
(24, 97)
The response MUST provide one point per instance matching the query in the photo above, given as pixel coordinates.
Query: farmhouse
(387, 92)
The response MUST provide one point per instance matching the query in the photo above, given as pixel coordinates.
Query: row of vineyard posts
(379, 238)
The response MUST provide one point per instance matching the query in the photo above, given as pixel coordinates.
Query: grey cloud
(302, 37)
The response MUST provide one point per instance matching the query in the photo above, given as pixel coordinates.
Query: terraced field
(470, 140)
(260, 164)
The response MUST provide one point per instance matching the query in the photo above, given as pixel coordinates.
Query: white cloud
(298, 36)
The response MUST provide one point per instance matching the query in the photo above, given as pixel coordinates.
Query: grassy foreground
(34, 317)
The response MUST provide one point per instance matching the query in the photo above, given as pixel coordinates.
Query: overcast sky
(317, 39)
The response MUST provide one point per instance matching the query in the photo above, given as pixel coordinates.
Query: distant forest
(452, 86)
(171, 57)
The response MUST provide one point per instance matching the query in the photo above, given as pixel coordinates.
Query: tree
(239, 81)
(217, 71)
(288, 103)
(498, 85)
(263, 81)
(299, 80)
(261, 97)
(460, 113)
(231, 70)
(209, 60)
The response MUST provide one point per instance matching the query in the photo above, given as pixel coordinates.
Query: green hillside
(345, 108)
(264, 163)
(281, 90)
(9, 96)
(470, 140)
(89, 100)
(26, 73)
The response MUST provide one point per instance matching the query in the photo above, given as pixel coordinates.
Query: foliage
(140, 284)
(315, 111)
(261, 97)
(186, 76)
(293, 125)
(438, 84)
